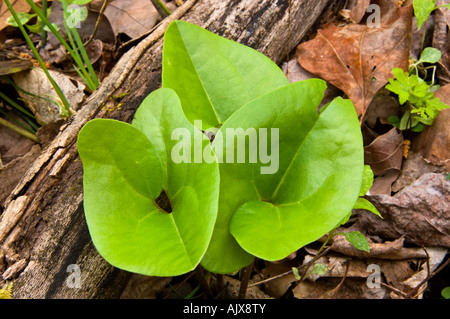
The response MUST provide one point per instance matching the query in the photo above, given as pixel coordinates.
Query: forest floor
(409, 155)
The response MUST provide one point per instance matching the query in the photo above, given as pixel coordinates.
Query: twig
(273, 278)
(395, 290)
(102, 10)
(415, 291)
(316, 257)
(430, 275)
(246, 273)
(289, 271)
(335, 289)
(440, 267)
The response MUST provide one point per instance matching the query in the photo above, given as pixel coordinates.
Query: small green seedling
(429, 55)
(161, 198)
(421, 107)
(423, 9)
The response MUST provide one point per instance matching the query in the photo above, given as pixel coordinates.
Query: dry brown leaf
(339, 266)
(36, 82)
(419, 212)
(441, 41)
(234, 285)
(144, 287)
(359, 11)
(133, 17)
(413, 168)
(385, 152)
(278, 287)
(332, 288)
(346, 278)
(14, 66)
(434, 142)
(436, 256)
(294, 71)
(359, 59)
(382, 106)
(389, 250)
(382, 185)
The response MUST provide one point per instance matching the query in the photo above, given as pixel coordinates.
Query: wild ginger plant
(161, 198)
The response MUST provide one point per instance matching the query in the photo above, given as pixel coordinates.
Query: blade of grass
(29, 129)
(82, 75)
(66, 106)
(44, 32)
(74, 56)
(80, 46)
(16, 106)
(19, 130)
(81, 69)
(32, 126)
(161, 8)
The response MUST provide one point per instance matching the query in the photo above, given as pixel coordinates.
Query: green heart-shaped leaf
(126, 167)
(304, 171)
(422, 10)
(272, 209)
(214, 76)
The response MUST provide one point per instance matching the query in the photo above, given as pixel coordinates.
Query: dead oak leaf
(385, 152)
(358, 59)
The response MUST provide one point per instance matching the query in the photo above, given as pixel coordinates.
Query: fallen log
(45, 245)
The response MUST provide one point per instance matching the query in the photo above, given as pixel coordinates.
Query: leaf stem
(201, 278)
(316, 257)
(424, 35)
(246, 273)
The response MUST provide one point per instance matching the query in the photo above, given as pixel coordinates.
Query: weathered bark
(42, 229)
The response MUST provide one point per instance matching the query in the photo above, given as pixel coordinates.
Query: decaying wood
(42, 229)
